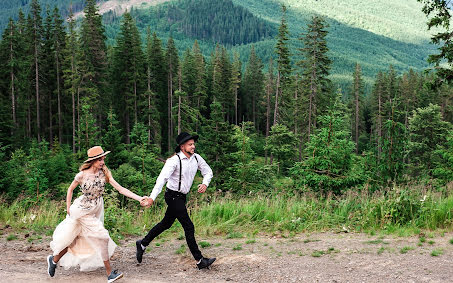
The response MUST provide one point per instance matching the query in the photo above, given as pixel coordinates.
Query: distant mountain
(373, 33)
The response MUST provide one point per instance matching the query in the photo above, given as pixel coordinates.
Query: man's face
(188, 147)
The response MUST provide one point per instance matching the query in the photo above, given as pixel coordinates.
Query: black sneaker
(51, 266)
(114, 275)
(205, 262)
(140, 251)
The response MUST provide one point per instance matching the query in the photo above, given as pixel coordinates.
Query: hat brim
(96, 157)
(195, 138)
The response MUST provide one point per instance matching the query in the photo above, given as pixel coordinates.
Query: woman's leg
(58, 256)
(108, 268)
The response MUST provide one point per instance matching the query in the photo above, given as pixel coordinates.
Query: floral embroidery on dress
(92, 188)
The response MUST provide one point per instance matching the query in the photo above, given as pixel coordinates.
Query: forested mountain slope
(374, 34)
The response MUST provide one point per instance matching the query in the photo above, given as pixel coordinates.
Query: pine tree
(71, 75)
(269, 91)
(35, 36)
(48, 75)
(111, 140)
(283, 67)
(93, 57)
(172, 63)
(9, 72)
(428, 133)
(315, 69)
(23, 86)
(128, 71)
(235, 82)
(356, 99)
(154, 127)
(59, 42)
(200, 82)
(158, 85)
(253, 86)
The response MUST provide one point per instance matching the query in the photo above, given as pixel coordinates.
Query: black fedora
(182, 138)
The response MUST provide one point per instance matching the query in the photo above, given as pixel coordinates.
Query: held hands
(146, 201)
(201, 188)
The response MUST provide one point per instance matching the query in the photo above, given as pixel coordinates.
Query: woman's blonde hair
(87, 165)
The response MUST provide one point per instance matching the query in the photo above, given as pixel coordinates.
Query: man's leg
(189, 229)
(160, 227)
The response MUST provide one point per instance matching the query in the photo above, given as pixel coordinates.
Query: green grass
(204, 244)
(251, 241)
(451, 241)
(234, 235)
(381, 250)
(405, 249)
(235, 218)
(375, 242)
(237, 247)
(317, 253)
(306, 241)
(437, 252)
(181, 250)
(11, 237)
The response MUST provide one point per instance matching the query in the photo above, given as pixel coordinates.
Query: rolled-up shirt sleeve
(169, 168)
(205, 170)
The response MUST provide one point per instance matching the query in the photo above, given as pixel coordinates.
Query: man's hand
(146, 202)
(202, 188)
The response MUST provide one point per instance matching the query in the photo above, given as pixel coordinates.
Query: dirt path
(323, 257)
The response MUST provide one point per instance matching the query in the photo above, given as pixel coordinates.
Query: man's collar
(182, 155)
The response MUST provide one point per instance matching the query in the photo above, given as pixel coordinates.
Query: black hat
(182, 138)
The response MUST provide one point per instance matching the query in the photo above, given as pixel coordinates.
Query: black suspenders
(180, 170)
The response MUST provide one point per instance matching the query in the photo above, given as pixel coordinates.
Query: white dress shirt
(170, 173)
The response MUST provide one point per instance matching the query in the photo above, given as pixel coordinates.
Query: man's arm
(206, 171)
(169, 168)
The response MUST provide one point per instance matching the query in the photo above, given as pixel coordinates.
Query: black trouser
(176, 210)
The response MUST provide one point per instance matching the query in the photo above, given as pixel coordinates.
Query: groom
(178, 173)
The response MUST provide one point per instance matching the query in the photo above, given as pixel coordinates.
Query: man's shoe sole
(208, 266)
(138, 245)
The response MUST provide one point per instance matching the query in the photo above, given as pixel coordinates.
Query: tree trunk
(276, 100)
(50, 119)
(236, 105)
(78, 112)
(135, 101)
(60, 123)
(268, 112)
(149, 104)
(170, 106)
(357, 113)
(13, 98)
(379, 122)
(38, 122)
(73, 70)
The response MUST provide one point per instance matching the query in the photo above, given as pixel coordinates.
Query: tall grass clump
(391, 210)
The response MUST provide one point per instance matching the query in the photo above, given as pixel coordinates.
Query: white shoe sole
(116, 278)
(48, 264)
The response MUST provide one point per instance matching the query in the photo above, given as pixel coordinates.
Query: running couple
(81, 238)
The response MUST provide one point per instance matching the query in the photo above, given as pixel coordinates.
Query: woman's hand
(146, 202)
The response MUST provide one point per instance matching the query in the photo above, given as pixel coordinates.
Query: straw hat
(95, 152)
(182, 138)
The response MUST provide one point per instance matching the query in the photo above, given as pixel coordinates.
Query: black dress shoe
(205, 262)
(140, 251)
